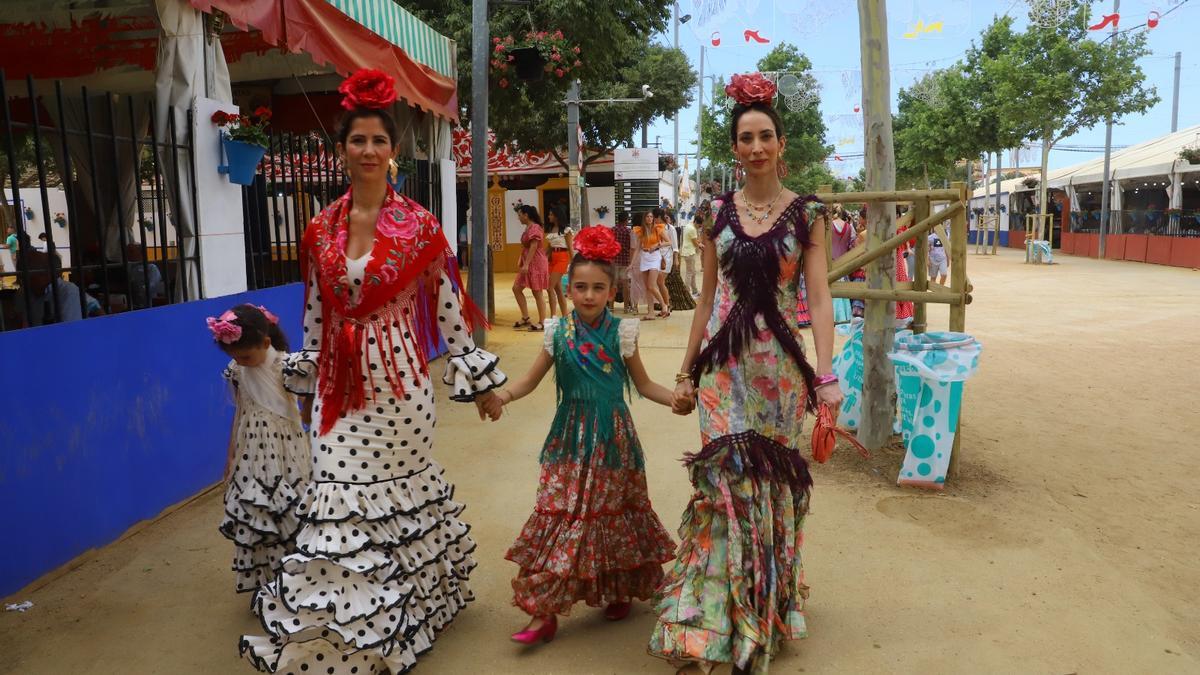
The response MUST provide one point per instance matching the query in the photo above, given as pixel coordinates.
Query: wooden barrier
(920, 291)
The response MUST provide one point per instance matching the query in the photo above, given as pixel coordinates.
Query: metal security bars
(299, 177)
(90, 194)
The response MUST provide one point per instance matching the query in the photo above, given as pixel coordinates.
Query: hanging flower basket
(538, 53)
(60, 219)
(243, 143)
(601, 211)
(399, 172)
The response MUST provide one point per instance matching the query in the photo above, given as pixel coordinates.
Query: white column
(219, 208)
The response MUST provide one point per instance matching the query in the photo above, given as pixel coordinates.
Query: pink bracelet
(824, 380)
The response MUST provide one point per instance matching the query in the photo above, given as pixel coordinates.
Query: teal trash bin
(931, 370)
(848, 366)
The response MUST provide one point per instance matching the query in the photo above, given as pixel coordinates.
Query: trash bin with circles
(848, 366)
(931, 370)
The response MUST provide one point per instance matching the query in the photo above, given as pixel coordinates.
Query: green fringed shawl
(592, 384)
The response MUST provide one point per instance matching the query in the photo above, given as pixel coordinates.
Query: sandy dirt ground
(1068, 545)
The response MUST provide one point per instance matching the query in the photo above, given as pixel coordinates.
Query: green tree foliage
(618, 58)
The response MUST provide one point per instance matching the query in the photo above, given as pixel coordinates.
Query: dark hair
(255, 327)
(659, 213)
(623, 217)
(530, 212)
(560, 220)
(348, 119)
(766, 109)
(606, 266)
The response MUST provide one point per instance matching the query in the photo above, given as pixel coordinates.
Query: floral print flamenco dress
(737, 590)
(593, 535)
(382, 556)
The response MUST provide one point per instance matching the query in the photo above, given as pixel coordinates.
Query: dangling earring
(739, 171)
(781, 169)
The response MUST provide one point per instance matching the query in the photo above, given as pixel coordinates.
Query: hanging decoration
(538, 53)
(749, 35)
(810, 17)
(1049, 13)
(921, 29)
(1114, 19)
(715, 38)
(1152, 19)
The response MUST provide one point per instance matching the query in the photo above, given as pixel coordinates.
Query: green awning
(396, 25)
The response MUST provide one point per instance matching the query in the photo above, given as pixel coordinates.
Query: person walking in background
(651, 241)
(558, 240)
(939, 265)
(689, 251)
(621, 262)
(533, 270)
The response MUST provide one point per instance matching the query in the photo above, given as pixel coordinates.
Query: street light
(573, 102)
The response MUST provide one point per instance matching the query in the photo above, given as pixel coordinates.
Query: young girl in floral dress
(269, 462)
(736, 591)
(593, 536)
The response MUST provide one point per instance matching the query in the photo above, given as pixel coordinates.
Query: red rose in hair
(752, 88)
(597, 243)
(368, 89)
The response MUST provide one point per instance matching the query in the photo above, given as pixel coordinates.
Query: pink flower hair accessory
(223, 328)
(751, 89)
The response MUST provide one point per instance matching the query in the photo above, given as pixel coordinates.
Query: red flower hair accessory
(750, 89)
(597, 243)
(368, 89)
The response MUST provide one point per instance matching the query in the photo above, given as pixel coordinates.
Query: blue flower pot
(241, 160)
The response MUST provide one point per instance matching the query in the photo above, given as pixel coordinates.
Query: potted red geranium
(244, 142)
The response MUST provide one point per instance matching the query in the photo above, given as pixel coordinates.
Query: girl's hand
(830, 395)
(684, 400)
(489, 406)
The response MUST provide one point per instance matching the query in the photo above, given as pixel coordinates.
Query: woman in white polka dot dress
(382, 557)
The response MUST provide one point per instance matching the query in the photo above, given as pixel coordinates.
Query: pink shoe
(543, 634)
(617, 611)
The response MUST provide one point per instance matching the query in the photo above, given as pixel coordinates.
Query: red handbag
(825, 433)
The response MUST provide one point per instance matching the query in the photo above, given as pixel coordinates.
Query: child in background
(269, 462)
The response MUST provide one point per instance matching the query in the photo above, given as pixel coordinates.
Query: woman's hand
(684, 400)
(830, 395)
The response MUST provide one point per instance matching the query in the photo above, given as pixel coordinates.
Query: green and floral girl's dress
(593, 535)
(737, 590)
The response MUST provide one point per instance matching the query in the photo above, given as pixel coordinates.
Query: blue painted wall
(971, 236)
(108, 421)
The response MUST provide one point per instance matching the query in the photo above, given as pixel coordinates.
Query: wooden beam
(844, 266)
(920, 211)
(941, 194)
(958, 263)
(859, 291)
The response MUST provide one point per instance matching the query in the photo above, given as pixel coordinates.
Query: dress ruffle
(269, 474)
(472, 373)
(300, 372)
(378, 566)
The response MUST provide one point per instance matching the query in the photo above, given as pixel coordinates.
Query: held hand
(684, 400)
(490, 405)
(830, 395)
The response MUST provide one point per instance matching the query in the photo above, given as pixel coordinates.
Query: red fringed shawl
(400, 287)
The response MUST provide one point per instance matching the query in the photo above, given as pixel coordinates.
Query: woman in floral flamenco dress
(382, 556)
(736, 591)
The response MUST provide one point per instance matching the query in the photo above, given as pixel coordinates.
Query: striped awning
(397, 25)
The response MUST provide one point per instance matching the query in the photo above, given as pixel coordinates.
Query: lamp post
(479, 280)
(573, 102)
(675, 148)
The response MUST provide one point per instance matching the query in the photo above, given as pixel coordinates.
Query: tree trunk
(1043, 207)
(879, 384)
(925, 174)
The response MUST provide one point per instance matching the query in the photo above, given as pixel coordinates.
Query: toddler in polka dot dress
(269, 462)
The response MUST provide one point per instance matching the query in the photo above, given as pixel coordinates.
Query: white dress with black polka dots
(271, 468)
(382, 557)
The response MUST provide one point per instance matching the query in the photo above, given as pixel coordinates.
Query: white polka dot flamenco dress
(382, 557)
(272, 464)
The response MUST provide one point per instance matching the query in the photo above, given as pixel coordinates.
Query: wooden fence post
(958, 265)
(920, 210)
